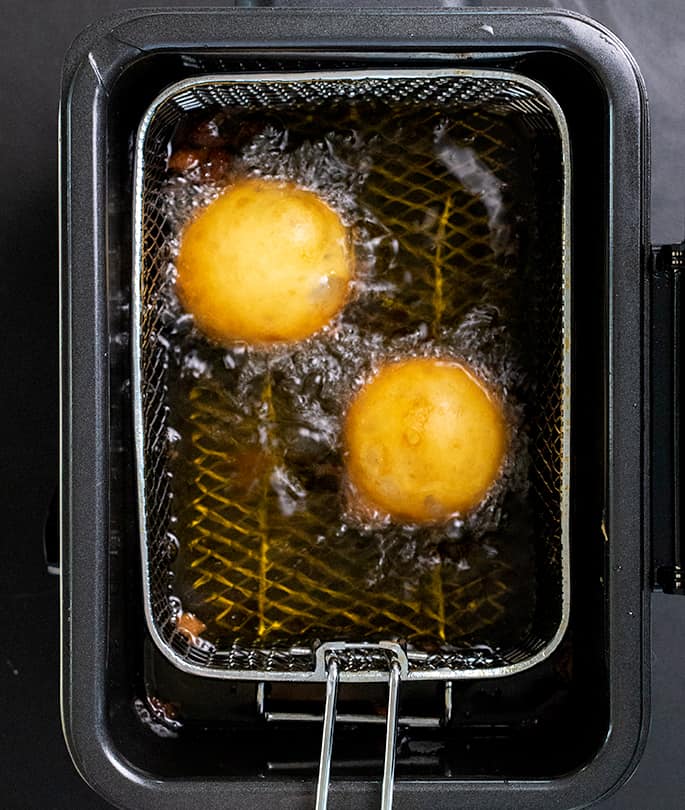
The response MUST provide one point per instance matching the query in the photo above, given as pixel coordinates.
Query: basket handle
(332, 682)
(391, 736)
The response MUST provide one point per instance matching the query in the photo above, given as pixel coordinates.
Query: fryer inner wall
(507, 608)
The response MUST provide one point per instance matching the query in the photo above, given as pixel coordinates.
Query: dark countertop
(35, 770)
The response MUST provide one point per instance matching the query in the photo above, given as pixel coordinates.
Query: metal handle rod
(390, 737)
(327, 739)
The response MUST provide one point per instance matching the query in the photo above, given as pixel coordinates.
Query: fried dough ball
(265, 262)
(424, 440)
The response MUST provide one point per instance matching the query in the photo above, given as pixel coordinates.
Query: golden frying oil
(270, 548)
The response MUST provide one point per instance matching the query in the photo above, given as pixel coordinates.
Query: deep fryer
(605, 416)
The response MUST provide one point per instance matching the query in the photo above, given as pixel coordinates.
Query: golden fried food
(265, 262)
(424, 440)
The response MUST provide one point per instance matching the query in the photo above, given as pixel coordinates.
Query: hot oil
(272, 549)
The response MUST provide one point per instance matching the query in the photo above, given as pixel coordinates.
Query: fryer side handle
(665, 279)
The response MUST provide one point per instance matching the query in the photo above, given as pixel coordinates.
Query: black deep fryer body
(113, 72)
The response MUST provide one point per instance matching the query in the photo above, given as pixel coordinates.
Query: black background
(35, 770)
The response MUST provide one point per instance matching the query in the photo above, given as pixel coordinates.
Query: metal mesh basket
(282, 625)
